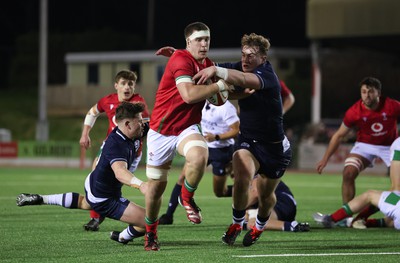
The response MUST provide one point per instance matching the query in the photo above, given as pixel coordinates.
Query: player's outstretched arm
(332, 146)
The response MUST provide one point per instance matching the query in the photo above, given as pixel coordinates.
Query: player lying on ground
(387, 201)
(282, 215)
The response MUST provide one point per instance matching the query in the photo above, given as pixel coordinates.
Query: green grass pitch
(55, 234)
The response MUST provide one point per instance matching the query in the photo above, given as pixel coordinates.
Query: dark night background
(98, 25)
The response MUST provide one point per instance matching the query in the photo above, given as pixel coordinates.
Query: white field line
(316, 255)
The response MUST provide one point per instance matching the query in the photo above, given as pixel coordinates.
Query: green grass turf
(55, 234)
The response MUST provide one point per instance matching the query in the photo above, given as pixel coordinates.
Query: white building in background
(90, 75)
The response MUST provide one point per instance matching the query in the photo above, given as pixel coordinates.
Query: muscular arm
(192, 93)
(333, 146)
(234, 77)
(126, 177)
(243, 79)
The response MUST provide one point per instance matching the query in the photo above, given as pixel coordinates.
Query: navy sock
(134, 233)
(173, 201)
(238, 216)
(287, 226)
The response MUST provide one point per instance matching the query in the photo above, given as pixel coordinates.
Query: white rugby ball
(219, 98)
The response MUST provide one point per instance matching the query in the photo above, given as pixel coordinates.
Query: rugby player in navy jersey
(262, 146)
(103, 185)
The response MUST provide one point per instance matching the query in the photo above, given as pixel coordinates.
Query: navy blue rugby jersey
(117, 147)
(261, 113)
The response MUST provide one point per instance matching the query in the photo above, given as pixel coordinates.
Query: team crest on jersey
(137, 145)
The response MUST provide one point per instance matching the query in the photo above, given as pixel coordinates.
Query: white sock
(125, 235)
(293, 225)
(53, 199)
(57, 199)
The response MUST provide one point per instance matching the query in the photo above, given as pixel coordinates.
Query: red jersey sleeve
(285, 91)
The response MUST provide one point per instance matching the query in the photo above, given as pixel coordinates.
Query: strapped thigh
(193, 143)
(157, 174)
(355, 162)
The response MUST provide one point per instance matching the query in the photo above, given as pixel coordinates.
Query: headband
(197, 34)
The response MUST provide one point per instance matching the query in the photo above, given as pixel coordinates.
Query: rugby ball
(219, 98)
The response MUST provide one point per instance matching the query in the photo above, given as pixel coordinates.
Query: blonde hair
(254, 40)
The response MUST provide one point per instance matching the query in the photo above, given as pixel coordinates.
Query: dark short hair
(372, 83)
(128, 110)
(126, 74)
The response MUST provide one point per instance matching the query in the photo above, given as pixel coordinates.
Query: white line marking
(317, 255)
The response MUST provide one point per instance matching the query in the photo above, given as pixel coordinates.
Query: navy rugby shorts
(273, 158)
(112, 208)
(219, 158)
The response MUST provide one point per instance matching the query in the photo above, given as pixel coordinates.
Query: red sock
(342, 213)
(152, 227)
(366, 212)
(94, 214)
(373, 222)
(186, 195)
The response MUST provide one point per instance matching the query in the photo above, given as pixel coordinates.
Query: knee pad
(355, 162)
(157, 174)
(191, 144)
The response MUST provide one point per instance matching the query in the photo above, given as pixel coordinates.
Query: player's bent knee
(195, 143)
(157, 174)
(354, 162)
